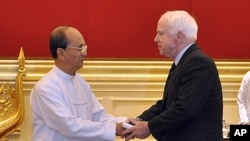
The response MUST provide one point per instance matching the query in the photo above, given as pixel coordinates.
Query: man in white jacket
(244, 100)
(64, 107)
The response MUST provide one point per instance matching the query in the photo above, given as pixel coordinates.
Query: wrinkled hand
(139, 130)
(119, 129)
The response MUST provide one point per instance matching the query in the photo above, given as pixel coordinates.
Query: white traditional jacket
(64, 108)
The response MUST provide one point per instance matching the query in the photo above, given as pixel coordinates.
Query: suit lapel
(173, 74)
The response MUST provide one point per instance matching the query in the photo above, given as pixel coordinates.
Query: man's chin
(81, 64)
(161, 53)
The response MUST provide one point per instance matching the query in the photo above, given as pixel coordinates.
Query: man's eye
(161, 33)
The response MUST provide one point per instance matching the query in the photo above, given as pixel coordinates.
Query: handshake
(132, 128)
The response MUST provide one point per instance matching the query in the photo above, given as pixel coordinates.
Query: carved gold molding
(12, 102)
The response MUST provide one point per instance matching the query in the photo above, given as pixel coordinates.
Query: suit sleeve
(152, 111)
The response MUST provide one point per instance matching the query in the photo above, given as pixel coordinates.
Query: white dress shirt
(244, 99)
(64, 108)
(180, 54)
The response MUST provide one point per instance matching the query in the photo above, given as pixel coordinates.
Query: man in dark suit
(191, 108)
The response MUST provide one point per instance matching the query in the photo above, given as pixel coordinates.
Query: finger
(129, 137)
(129, 120)
(126, 132)
(132, 121)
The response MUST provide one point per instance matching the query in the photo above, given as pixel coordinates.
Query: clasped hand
(139, 130)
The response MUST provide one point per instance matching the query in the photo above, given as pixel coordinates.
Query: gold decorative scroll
(12, 101)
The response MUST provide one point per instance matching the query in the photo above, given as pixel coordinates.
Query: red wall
(122, 29)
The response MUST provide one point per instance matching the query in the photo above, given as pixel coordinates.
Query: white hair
(181, 21)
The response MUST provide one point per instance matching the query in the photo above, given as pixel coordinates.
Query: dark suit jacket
(191, 107)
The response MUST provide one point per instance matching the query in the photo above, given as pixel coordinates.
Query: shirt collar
(62, 74)
(180, 54)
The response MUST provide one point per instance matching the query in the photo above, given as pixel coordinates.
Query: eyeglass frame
(83, 48)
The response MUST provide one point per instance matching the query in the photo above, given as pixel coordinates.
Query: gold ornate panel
(12, 102)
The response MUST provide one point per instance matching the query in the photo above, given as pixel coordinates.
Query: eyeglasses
(82, 48)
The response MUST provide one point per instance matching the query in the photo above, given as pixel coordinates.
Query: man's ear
(179, 37)
(60, 52)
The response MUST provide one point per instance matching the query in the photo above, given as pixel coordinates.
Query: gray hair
(181, 21)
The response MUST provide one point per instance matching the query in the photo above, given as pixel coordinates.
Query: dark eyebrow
(83, 45)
